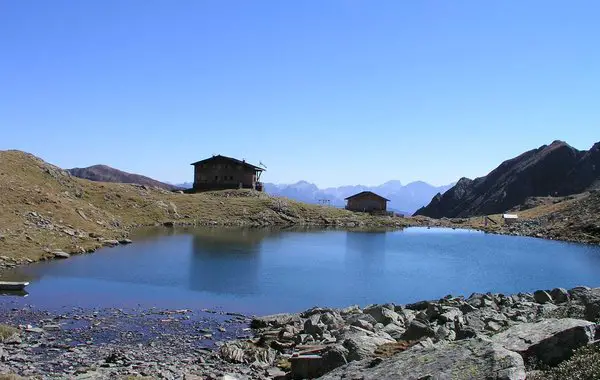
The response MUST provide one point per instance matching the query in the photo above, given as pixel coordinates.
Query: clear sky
(333, 92)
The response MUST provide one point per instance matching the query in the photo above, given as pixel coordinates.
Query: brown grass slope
(103, 173)
(44, 208)
(572, 218)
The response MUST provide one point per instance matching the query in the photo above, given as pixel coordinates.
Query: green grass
(583, 365)
(9, 376)
(7, 331)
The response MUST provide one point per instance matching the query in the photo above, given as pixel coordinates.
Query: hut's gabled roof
(364, 193)
(233, 160)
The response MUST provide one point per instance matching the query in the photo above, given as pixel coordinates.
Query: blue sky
(333, 92)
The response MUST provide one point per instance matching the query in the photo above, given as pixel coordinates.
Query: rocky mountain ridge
(557, 169)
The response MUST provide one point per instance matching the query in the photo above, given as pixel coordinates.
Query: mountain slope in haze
(557, 169)
(403, 198)
(103, 173)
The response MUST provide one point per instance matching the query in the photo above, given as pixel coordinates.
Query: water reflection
(14, 293)
(232, 251)
(269, 271)
(366, 250)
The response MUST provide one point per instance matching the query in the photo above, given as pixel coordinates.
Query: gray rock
(363, 324)
(125, 241)
(549, 341)
(314, 328)
(469, 359)
(306, 366)
(61, 255)
(449, 314)
(247, 353)
(332, 320)
(354, 309)
(361, 347)
(383, 314)
(272, 372)
(590, 298)
(361, 317)
(443, 333)
(417, 330)
(560, 295)
(334, 357)
(418, 306)
(396, 331)
(275, 320)
(541, 296)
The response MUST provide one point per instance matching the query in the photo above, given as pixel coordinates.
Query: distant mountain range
(103, 173)
(557, 169)
(403, 198)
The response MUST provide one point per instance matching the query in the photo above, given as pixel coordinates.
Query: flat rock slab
(275, 320)
(467, 359)
(550, 341)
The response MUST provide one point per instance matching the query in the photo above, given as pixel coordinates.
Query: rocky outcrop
(484, 335)
(551, 170)
(550, 341)
(469, 359)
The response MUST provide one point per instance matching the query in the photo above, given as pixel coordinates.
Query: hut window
(216, 178)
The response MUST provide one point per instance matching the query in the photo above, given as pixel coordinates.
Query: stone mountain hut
(367, 201)
(221, 172)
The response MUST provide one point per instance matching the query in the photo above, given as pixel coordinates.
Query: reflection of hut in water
(227, 260)
(365, 249)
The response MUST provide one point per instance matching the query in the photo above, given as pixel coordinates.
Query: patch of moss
(6, 332)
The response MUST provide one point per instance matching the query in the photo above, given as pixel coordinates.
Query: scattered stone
(469, 359)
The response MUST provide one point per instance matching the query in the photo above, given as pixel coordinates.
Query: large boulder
(275, 320)
(467, 359)
(590, 298)
(560, 295)
(550, 341)
(417, 330)
(244, 352)
(541, 296)
(363, 346)
(383, 314)
(312, 366)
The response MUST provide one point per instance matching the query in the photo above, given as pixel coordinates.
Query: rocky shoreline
(491, 336)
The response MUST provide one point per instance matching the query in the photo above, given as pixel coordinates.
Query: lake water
(265, 271)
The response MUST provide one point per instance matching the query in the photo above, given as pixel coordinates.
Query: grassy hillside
(573, 218)
(43, 208)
